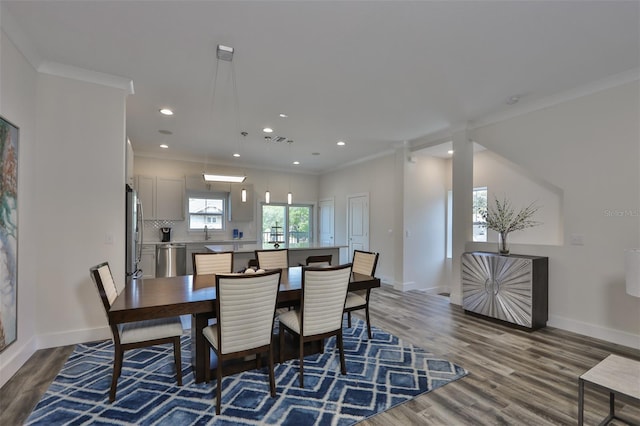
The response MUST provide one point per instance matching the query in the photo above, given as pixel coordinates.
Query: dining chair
(246, 306)
(324, 292)
(213, 263)
(132, 335)
(273, 259)
(320, 260)
(364, 263)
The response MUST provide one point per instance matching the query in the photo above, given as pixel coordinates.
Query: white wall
(80, 174)
(71, 197)
(304, 188)
(590, 148)
(425, 224)
(375, 177)
(505, 179)
(18, 105)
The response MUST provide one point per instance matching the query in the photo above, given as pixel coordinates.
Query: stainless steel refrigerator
(135, 227)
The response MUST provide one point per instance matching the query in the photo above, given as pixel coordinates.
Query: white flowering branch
(503, 218)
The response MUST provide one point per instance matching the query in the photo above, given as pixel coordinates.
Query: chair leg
(117, 368)
(281, 343)
(177, 356)
(301, 362)
(207, 364)
(368, 321)
(343, 366)
(272, 379)
(349, 318)
(219, 385)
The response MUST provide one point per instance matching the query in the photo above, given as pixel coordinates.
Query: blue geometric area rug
(381, 373)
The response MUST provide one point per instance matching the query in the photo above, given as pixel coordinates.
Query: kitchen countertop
(204, 242)
(243, 247)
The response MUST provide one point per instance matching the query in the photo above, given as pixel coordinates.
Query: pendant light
(243, 192)
(267, 194)
(225, 53)
(290, 195)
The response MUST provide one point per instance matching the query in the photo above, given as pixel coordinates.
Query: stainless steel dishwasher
(171, 260)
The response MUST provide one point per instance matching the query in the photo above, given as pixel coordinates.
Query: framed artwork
(8, 233)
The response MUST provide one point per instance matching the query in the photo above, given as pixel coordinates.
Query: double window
(290, 224)
(207, 210)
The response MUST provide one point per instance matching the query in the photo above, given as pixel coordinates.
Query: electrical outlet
(576, 239)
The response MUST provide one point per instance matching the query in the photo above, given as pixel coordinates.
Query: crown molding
(23, 43)
(81, 74)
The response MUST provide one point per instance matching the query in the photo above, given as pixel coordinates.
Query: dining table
(152, 298)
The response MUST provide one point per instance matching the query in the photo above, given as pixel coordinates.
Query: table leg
(580, 402)
(199, 353)
(612, 406)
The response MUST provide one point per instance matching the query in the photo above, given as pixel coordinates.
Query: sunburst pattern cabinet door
(508, 288)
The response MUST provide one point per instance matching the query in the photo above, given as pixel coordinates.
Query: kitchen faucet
(206, 233)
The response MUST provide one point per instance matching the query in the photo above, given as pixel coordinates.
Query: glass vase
(503, 245)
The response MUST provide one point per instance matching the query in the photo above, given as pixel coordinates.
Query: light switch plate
(576, 239)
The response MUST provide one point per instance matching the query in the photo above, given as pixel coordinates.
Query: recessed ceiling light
(165, 132)
(283, 115)
(166, 111)
(267, 130)
(296, 162)
(236, 155)
(450, 151)
(341, 143)
(164, 146)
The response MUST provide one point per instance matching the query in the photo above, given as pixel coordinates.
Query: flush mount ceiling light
(341, 143)
(267, 130)
(283, 115)
(164, 146)
(223, 178)
(166, 111)
(236, 154)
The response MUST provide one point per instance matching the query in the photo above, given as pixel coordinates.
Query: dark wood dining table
(150, 298)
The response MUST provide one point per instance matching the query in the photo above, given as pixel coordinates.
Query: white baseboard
(10, 366)
(73, 337)
(598, 332)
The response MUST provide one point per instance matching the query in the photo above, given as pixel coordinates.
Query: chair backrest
(213, 263)
(324, 291)
(364, 262)
(323, 260)
(101, 275)
(246, 306)
(273, 259)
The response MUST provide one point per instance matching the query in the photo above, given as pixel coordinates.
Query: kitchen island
(298, 253)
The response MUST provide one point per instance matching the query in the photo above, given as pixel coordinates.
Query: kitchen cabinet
(512, 288)
(148, 261)
(162, 198)
(239, 211)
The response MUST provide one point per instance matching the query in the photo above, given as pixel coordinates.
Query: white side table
(616, 375)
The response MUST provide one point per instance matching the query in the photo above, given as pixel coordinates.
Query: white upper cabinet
(162, 198)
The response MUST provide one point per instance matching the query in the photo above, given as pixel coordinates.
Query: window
(289, 224)
(479, 206)
(207, 210)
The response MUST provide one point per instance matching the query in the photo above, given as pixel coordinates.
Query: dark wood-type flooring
(516, 377)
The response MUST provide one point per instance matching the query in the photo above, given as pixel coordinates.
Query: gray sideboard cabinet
(511, 288)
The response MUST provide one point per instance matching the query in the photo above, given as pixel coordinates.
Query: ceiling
(371, 73)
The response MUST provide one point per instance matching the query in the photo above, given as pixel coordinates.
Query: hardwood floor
(516, 377)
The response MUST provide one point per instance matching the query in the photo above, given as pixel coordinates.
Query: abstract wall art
(8, 233)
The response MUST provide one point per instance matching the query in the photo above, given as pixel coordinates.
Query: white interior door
(358, 223)
(325, 213)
